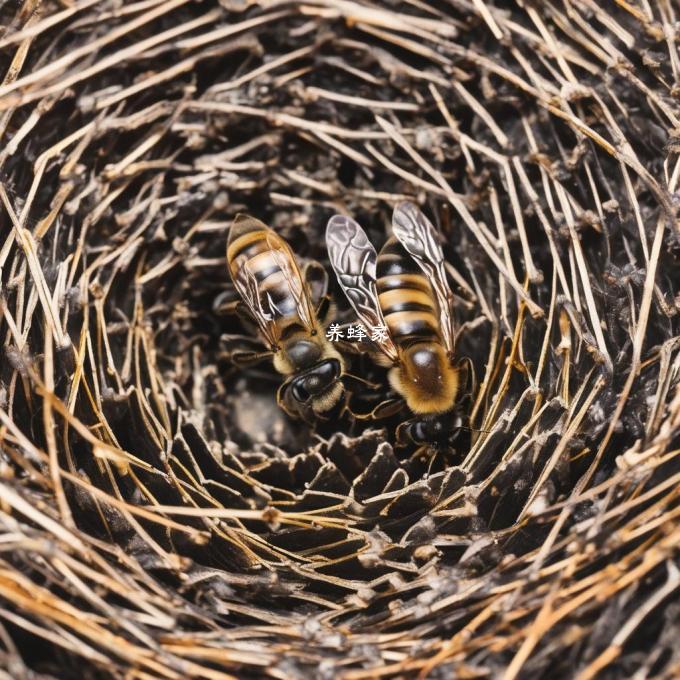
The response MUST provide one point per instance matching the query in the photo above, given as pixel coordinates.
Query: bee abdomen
(251, 249)
(405, 300)
(409, 325)
(405, 296)
(403, 281)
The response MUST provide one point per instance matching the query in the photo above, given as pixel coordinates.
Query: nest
(161, 517)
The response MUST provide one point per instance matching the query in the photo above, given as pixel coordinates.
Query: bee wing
(259, 302)
(287, 263)
(416, 233)
(353, 259)
(261, 307)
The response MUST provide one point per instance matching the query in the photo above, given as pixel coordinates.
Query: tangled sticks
(161, 517)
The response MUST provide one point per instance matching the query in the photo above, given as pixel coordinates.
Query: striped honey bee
(280, 300)
(403, 297)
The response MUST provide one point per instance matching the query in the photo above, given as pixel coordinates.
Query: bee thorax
(303, 353)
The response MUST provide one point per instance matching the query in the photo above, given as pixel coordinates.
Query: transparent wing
(416, 233)
(285, 259)
(260, 307)
(259, 302)
(353, 258)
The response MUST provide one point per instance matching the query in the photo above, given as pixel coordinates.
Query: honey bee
(278, 298)
(403, 297)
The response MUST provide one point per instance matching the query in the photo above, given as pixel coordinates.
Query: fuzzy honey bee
(404, 291)
(288, 309)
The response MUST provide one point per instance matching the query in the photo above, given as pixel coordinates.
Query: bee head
(318, 389)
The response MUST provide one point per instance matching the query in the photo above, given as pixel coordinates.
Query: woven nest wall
(161, 517)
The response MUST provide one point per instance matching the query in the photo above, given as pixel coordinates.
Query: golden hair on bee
(426, 379)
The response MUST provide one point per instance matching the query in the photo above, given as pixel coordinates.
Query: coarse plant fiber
(161, 518)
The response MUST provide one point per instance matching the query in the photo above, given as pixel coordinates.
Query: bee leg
(403, 434)
(229, 304)
(226, 307)
(225, 301)
(424, 453)
(384, 409)
(360, 382)
(242, 350)
(432, 453)
(407, 433)
(246, 359)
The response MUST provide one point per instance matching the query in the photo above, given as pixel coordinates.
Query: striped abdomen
(256, 252)
(406, 298)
